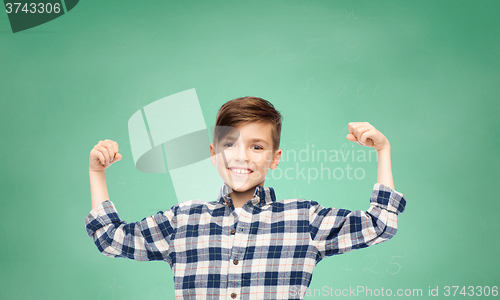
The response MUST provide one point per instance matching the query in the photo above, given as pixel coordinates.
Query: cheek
(219, 162)
(266, 159)
(226, 154)
(262, 158)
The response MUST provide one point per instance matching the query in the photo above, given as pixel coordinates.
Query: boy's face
(243, 158)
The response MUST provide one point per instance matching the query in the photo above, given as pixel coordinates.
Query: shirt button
(233, 231)
(233, 295)
(235, 261)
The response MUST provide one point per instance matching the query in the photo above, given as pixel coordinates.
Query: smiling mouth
(240, 171)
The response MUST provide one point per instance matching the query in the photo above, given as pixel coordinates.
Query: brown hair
(241, 111)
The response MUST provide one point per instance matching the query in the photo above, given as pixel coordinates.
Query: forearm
(384, 173)
(98, 188)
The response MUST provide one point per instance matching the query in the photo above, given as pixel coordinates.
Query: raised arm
(336, 231)
(145, 240)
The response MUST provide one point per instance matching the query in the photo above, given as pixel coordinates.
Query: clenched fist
(103, 155)
(365, 134)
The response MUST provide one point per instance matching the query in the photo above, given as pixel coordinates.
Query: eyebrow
(259, 141)
(256, 140)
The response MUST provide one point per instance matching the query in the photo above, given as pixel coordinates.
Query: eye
(258, 147)
(228, 145)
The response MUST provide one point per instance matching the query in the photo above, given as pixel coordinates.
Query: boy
(245, 245)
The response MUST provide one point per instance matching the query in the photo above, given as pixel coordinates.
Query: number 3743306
(478, 291)
(32, 8)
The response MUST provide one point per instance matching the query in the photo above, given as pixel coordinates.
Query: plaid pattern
(269, 251)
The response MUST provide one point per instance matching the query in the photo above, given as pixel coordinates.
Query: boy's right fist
(103, 155)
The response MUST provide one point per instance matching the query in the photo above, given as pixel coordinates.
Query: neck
(240, 198)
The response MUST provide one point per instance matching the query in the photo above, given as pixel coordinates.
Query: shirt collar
(262, 195)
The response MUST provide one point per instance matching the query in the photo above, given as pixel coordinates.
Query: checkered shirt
(269, 251)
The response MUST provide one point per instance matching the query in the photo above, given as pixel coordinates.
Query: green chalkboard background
(425, 73)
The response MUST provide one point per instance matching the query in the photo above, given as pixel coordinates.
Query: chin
(240, 188)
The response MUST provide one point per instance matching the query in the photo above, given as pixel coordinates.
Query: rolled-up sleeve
(335, 231)
(145, 240)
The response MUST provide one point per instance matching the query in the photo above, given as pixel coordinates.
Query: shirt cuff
(104, 214)
(387, 198)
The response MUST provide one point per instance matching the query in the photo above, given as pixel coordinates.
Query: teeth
(241, 171)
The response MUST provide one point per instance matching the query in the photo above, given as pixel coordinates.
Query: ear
(276, 159)
(212, 154)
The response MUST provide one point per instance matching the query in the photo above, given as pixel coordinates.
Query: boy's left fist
(365, 134)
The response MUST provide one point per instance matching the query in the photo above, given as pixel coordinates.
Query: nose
(242, 154)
